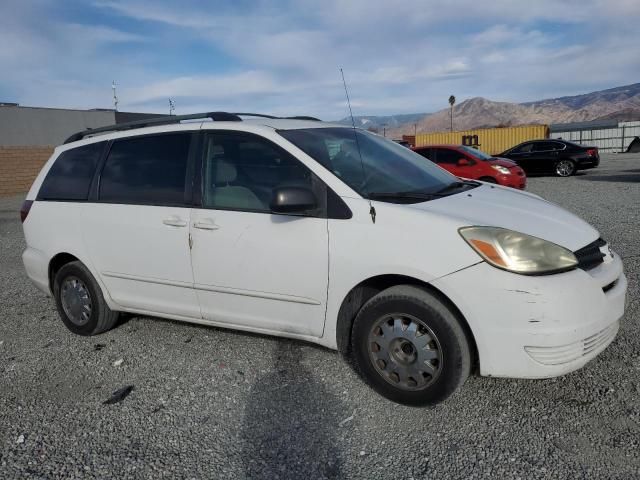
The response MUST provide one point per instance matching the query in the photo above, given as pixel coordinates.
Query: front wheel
(410, 347)
(565, 168)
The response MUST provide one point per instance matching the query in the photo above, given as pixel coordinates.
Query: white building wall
(606, 139)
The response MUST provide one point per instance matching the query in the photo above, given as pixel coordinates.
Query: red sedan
(467, 162)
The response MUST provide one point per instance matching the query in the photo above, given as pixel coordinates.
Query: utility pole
(452, 100)
(415, 129)
(384, 130)
(115, 97)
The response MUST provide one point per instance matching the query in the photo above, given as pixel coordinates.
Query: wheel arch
(365, 290)
(58, 261)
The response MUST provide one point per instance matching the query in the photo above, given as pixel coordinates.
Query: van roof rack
(169, 119)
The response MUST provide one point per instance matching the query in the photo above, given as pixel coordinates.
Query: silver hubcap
(405, 352)
(76, 300)
(564, 168)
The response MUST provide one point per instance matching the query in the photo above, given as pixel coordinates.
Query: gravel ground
(210, 403)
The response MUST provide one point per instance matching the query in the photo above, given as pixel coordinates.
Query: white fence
(607, 139)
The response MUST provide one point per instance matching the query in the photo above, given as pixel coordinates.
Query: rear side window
(146, 170)
(447, 156)
(71, 174)
(527, 147)
(546, 146)
(427, 153)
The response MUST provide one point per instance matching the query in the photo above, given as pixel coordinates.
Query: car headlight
(501, 169)
(518, 252)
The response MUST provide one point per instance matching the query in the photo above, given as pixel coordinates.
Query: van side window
(241, 172)
(71, 174)
(148, 170)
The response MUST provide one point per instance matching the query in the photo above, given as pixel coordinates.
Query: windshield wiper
(454, 185)
(443, 192)
(415, 195)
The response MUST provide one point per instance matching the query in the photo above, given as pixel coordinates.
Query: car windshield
(479, 154)
(386, 170)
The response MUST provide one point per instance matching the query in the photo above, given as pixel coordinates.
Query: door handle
(205, 225)
(175, 222)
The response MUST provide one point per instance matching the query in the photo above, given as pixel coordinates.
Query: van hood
(497, 206)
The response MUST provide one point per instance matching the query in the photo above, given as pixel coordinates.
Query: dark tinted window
(70, 176)
(427, 153)
(241, 172)
(546, 146)
(147, 170)
(447, 156)
(527, 147)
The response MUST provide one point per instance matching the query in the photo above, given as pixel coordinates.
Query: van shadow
(290, 422)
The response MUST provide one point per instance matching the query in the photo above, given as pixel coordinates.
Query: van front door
(254, 269)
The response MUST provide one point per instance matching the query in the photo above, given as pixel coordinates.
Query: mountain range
(619, 103)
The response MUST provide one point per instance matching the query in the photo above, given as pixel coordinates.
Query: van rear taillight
(26, 208)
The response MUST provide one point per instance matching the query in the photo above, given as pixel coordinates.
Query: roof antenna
(115, 97)
(372, 210)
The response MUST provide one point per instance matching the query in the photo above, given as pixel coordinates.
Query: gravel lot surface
(211, 403)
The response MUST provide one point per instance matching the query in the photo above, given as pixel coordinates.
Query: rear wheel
(410, 347)
(565, 168)
(80, 302)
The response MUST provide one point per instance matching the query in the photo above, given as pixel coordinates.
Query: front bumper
(512, 180)
(538, 326)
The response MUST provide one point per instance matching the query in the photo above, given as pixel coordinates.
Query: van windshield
(387, 170)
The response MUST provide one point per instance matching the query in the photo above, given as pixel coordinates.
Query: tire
(489, 180)
(404, 376)
(73, 285)
(565, 168)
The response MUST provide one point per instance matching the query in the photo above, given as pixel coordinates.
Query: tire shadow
(290, 422)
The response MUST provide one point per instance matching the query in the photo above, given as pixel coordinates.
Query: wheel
(80, 303)
(410, 347)
(488, 180)
(565, 168)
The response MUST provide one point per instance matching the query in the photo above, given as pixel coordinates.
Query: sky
(284, 57)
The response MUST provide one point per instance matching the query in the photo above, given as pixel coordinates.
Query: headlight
(501, 169)
(518, 252)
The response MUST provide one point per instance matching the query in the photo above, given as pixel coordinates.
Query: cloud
(284, 57)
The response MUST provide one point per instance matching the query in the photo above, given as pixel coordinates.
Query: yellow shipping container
(490, 140)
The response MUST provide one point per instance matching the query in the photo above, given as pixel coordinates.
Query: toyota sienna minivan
(320, 232)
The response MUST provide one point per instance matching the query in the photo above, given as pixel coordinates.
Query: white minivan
(325, 233)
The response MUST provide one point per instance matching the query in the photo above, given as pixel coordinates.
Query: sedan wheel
(565, 168)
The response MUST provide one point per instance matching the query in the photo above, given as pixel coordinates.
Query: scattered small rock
(188, 340)
(20, 439)
(118, 362)
(119, 395)
(362, 453)
(99, 346)
(347, 420)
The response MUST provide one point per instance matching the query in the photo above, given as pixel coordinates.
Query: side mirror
(293, 200)
(463, 162)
